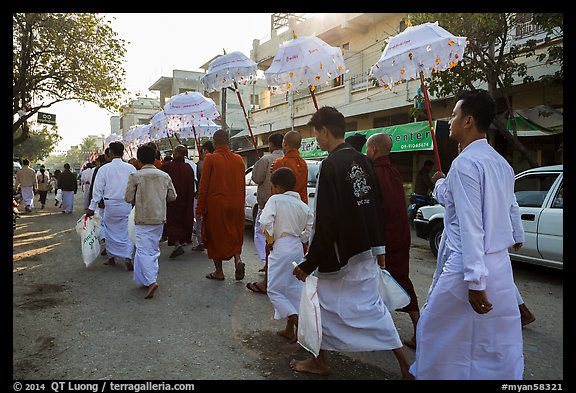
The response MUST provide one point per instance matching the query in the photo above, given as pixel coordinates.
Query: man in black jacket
(348, 236)
(69, 185)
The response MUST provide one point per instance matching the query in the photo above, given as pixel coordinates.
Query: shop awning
(540, 120)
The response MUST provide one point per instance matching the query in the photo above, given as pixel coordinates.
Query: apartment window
(526, 27)
(255, 101)
(402, 26)
(391, 120)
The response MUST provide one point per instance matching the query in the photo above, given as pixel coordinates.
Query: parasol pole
(247, 121)
(178, 139)
(196, 140)
(434, 143)
(313, 98)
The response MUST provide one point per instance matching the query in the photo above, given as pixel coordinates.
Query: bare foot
(287, 334)
(309, 365)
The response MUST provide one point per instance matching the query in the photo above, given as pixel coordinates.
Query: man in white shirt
(85, 179)
(470, 327)
(110, 185)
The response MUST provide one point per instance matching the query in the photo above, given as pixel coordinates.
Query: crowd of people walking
(469, 326)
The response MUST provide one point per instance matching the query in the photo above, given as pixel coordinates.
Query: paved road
(72, 322)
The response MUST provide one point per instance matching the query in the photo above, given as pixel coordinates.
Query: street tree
(491, 57)
(40, 143)
(63, 57)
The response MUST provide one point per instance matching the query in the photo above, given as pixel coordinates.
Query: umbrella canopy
(191, 106)
(227, 69)
(203, 129)
(305, 62)
(162, 126)
(112, 138)
(427, 47)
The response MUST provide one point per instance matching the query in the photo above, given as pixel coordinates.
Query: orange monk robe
(292, 160)
(221, 198)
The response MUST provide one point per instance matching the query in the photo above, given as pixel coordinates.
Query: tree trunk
(23, 137)
(516, 144)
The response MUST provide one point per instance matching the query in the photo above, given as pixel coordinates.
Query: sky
(158, 43)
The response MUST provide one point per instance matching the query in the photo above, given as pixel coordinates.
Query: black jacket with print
(348, 217)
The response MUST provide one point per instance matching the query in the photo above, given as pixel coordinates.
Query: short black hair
(146, 154)
(101, 158)
(66, 166)
(357, 141)
(284, 177)
(25, 162)
(208, 145)
(107, 151)
(276, 138)
(117, 148)
(330, 118)
(480, 105)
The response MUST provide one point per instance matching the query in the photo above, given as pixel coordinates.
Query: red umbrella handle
(434, 144)
(247, 121)
(313, 98)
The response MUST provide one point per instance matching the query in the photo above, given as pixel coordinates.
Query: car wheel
(435, 236)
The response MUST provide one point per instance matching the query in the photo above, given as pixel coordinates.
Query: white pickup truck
(540, 195)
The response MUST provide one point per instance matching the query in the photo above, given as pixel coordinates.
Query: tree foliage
(61, 57)
(39, 145)
(492, 56)
(495, 57)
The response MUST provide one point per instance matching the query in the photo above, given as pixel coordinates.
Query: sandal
(178, 251)
(211, 276)
(199, 247)
(253, 286)
(240, 271)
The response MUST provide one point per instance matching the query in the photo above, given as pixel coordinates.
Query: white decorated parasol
(304, 63)
(417, 52)
(229, 70)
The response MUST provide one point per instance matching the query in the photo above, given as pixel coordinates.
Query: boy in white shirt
(287, 223)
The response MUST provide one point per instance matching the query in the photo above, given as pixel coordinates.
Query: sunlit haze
(158, 43)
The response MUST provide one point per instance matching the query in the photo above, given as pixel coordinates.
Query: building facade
(362, 36)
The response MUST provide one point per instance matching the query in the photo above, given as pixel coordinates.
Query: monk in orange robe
(220, 205)
(291, 159)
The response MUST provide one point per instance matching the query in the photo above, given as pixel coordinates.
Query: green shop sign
(405, 137)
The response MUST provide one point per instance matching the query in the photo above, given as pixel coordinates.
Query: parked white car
(540, 196)
(251, 205)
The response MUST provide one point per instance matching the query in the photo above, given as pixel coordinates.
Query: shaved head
(180, 151)
(220, 138)
(378, 145)
(293, 139)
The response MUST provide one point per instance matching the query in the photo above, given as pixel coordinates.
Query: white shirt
(111, 181)
(193, 165)
(86, 175)
(478, 194)
(286, 215)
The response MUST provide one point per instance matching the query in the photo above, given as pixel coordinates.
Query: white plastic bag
(88, 227)
(309, 319)
(392, 293)
(131, 228)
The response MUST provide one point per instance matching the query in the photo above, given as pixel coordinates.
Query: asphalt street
(73, 322)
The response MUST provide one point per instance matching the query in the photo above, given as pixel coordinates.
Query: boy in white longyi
(287, 223)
